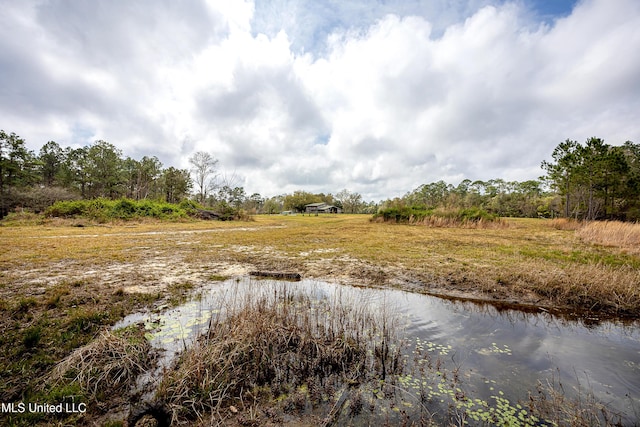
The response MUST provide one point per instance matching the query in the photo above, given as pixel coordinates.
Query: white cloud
(324, 95)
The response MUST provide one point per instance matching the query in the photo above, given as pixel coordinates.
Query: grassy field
(530, 261)
(63, 281)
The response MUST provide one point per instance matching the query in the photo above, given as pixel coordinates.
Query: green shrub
(103, 210)
(146, 208)
(190, 206)
(124, 209)
(66, 209)
(98, 209)
(403, 213)
(437, 217)
(475, 214)
(170, 211)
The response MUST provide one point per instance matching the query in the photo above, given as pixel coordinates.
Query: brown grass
(615, 234)
(588, 288)
(549, 402)
(106, 367)
(565, 224)
(58, 281)
(531, 261)
(451, 222)
(281, 345)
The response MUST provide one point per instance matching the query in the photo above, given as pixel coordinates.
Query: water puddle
(496, 353)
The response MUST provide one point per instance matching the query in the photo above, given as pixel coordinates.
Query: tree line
(593, 180)
(586, 181)
(596, 180)
(36, 180)
(347, 201)
(496, 196)
(58, 173)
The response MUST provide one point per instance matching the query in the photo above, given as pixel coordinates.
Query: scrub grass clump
(549, 401)
(464, 218)
(105, 370)
(104, 210)
(281, 348)
(624, 235)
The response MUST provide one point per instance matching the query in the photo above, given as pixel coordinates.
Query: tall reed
(271, 341)
(619, 234)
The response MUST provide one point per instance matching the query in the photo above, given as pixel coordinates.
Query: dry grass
(565, 224)
(596, 289)
(452, 222)
(549, 402)
(58, 281)
(279, 344)
(106, 367)
(530, 261)
(616, 234)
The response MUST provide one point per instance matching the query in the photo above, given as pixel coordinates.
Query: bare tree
(204, 168)
(351, 202)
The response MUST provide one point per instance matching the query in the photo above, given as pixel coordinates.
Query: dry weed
(271, 346)
(107, 365)
(564, 224)
(549, 402)
(618, 234)
(445, 222)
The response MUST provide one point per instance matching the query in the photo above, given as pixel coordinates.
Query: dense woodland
(588, 181)
(596, 180)
(593, 180)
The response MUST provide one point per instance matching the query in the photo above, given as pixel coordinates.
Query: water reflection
(599, 357)
(494, 349)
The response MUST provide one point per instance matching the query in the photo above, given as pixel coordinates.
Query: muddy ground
(155, 270)
(62, 286)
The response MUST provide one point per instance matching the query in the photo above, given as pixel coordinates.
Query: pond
(496, 356)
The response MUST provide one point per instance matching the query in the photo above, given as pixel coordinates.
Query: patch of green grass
(179, 292)
(55, 294)
(32, 336)
(25, 304)
(63, 392)
(85, 320)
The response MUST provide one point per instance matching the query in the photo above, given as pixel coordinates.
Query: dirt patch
(60, 287)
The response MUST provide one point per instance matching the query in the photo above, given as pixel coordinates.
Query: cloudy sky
(374, 96)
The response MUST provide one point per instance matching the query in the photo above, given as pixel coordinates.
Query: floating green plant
(432, 347)
(495, 349)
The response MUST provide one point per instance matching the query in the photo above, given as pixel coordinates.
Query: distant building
(317, 208)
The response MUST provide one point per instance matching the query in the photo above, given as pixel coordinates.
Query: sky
(377, 97)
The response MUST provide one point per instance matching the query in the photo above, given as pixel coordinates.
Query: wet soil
(149, 272)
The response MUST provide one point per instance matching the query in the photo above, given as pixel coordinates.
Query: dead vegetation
(105, 368)
(623, 235)
(449, 222)
(550, 402)
(564, 224)
(281, 345)
(61, 284)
